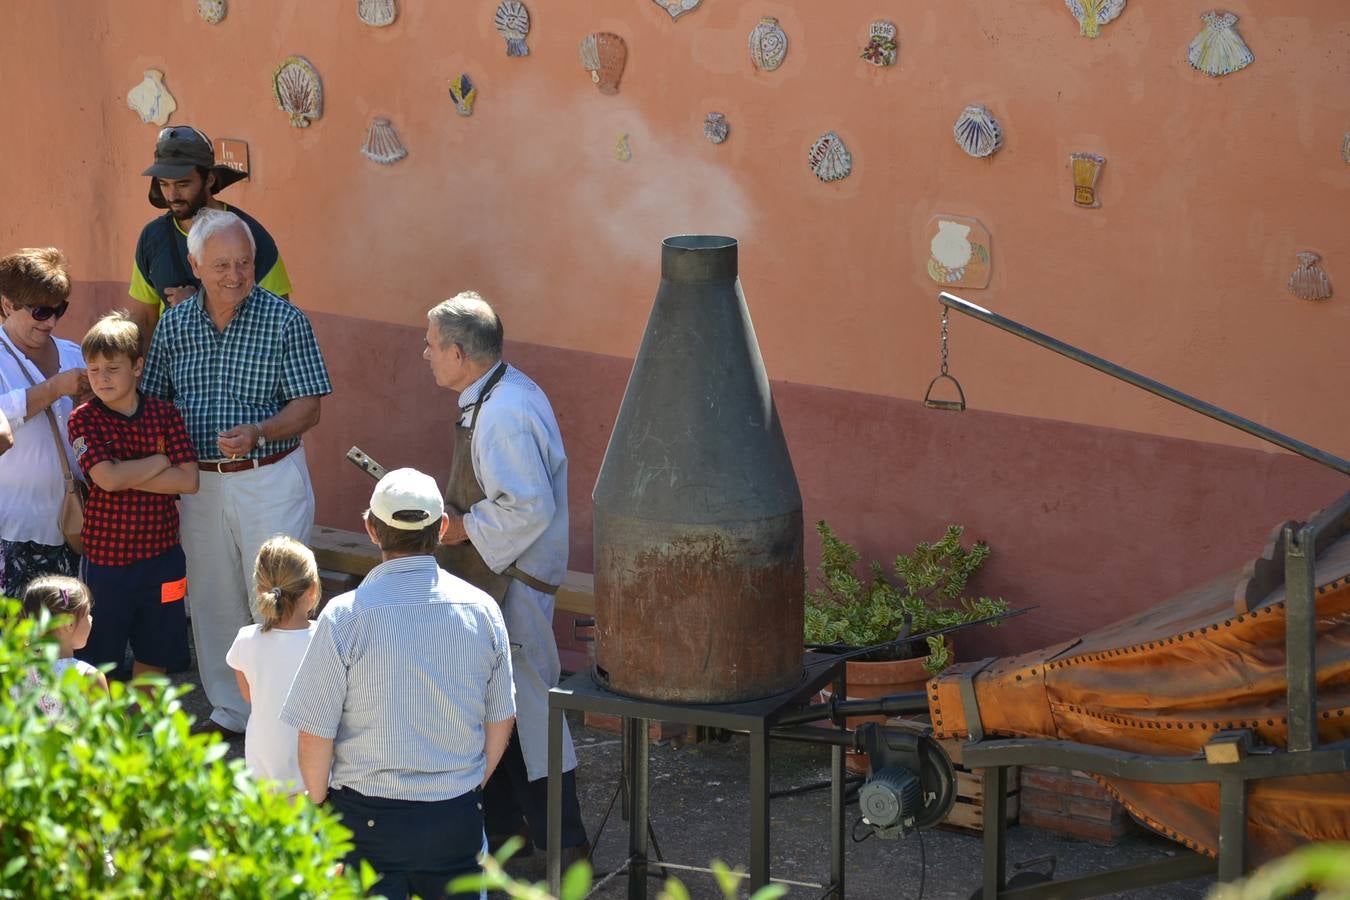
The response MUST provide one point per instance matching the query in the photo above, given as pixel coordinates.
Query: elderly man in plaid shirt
(243, 367)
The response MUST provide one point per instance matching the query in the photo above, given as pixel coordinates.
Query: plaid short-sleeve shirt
(124, 527)
(266, 357)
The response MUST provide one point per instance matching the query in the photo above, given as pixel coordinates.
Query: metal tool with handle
(362, 461)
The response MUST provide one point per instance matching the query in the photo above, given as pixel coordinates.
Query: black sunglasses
(43, 313)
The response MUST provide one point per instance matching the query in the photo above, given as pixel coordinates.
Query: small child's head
(112, 353)
(287, 579)
(62, 596)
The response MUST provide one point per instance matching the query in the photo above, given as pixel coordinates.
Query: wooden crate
(968, 813)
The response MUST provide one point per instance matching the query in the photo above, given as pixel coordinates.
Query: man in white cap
(404, 701)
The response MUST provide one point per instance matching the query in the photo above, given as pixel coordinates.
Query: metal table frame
(755, 718)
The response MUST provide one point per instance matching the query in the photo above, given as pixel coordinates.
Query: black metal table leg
(759, 808)
(995, 779)
(553, 855)
(837, 784)
(1232, 827)
(639, 784)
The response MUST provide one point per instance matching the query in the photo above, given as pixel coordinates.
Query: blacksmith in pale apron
(516, 794)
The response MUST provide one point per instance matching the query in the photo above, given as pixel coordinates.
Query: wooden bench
(351, 554)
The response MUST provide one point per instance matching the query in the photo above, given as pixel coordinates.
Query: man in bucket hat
(183, 179)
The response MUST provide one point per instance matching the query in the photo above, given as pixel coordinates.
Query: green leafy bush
(1321, 868)
(116, 798)
(928, 587)
(576, 881)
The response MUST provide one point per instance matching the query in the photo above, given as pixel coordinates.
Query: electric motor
(890, 800)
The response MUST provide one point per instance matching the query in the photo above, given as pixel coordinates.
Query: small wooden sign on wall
(233, 155)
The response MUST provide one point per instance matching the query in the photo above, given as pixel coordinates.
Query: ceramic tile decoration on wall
(677, 8)
(622, 152)
(716, 127)
(829, 158)
(1086, 168)
(377, 12)
(464, 93)
(382, 144)
(232, 154)
(1218, 49)
(1093, 14)
(768, 44)
(958, 251)
(295, 84)
(881, 49)
(1345, 147)
(1309, 282)
(151, 100)
(512, 21)
(604, 55)
(211, 11)
(977, 131)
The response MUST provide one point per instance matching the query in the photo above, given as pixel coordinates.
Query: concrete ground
(700, 812)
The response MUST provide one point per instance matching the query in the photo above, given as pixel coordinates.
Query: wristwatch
(262, 439)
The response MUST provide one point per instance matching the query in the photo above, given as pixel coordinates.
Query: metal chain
(944, 340)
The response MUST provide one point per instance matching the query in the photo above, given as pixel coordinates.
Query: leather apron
(461, 492)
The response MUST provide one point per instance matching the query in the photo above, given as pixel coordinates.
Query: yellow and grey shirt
(162, 262)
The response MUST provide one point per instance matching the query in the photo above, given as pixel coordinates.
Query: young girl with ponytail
(265, 657)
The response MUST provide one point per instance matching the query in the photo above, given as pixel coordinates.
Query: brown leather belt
(240, 465)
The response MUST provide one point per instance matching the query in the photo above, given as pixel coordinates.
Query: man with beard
(185, 179)
(244, 369)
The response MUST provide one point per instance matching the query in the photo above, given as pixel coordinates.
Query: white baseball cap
(408, 500)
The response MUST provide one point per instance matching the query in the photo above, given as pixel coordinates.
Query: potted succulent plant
(847, 612)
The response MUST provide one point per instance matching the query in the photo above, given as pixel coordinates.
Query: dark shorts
(143, 603)
(415, 846)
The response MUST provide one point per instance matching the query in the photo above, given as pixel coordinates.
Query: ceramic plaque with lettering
(233, 155)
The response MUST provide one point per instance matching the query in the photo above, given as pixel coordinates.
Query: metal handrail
(1107, 367)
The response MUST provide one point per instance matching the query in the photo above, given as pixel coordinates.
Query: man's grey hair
(469, 321)
(210, 222)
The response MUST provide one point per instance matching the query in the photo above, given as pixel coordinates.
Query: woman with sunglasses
(37, 372)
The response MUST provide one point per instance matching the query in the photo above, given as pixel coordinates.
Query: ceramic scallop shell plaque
(977, 131)
(377, 12)
(296, 86)
(1309, 282)
(512, 22)
(958, 251)
(715, 127)
(604, 55)
(677, 8)
(151, 100)
(212, 12)
(1218, 49)
(768, 44)
(1093, 14)
(382, 144)
(829, 158)
(881, 49)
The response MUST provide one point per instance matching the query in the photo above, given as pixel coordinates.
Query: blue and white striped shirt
(403, 674)
(266, 357)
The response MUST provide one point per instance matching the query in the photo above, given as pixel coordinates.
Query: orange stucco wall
(1211, 186)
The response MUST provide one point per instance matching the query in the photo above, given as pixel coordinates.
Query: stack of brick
(1070, 802)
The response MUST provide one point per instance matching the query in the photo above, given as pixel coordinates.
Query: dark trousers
(511, 800)
(415, 846)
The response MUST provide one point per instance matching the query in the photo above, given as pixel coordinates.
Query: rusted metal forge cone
(698, 520)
